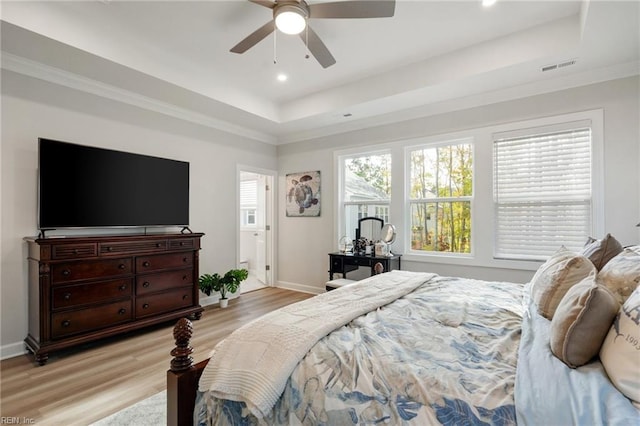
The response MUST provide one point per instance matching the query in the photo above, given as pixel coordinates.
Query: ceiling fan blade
(353, 9)
(265, 3)
(317, 47)
(254, 38)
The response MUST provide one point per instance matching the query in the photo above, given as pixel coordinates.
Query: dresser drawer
(114, 247)
(185, 243)
(164, 302)
(74, 271)
(151, 283)
(73, 251)
(93, 318)
(163, 261)
(82, 294)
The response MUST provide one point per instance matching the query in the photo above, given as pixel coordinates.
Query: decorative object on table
(345, 245)
(387, 237)
(229, 282)
(361, 244)
(303, 194)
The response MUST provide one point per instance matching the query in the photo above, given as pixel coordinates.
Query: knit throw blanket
(253, 364)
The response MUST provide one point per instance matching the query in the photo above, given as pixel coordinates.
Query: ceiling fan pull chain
(275, 36)
(306, 43)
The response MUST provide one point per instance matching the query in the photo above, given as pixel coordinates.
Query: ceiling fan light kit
(290, 17)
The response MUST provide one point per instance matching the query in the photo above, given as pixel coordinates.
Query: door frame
(270, 201)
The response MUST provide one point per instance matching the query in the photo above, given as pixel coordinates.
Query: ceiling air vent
(559, 65)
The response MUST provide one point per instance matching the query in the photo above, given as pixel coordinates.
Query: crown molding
(60, 77)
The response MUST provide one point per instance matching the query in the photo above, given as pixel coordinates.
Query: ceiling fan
(291, 16)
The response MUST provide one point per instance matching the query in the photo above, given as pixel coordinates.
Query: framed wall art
(303, 194)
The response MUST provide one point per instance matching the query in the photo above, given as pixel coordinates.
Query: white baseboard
(305, 288)
(12, 350)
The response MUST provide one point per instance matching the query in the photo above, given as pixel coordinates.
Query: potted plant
(229, 282)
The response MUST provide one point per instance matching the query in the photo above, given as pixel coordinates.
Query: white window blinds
(542, 192)
(249, 193)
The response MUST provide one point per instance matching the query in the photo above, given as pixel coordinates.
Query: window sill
(469, 260)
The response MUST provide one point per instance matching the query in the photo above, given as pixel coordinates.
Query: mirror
(388, 233)
(369, 228)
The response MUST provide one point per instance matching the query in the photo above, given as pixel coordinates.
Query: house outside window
(366, 189)
(440, 188)
(542, 191)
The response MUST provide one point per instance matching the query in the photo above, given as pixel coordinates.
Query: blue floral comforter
(443, 354)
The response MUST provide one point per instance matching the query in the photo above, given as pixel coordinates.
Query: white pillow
(620, 352)
(558, 274)
(621, 274)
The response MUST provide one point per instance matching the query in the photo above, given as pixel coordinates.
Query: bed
(397, 348)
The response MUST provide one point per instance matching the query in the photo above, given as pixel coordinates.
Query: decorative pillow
(601, 251)
(620, 352)
(582, 321)
(557, 275)
(622, 274)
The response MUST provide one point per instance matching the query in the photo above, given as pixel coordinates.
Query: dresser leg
(42, 358)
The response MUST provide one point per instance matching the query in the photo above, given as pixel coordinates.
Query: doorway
(255, 217)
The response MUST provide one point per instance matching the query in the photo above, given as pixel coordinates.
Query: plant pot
(224, 303)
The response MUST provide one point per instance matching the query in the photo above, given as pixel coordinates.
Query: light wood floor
(83, 385)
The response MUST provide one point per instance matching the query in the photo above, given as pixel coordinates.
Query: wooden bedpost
(182, 378)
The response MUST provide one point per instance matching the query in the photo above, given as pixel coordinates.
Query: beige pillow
(622, 274)
(582, 321)
(557, 275)
(601, 251)
(620, 352)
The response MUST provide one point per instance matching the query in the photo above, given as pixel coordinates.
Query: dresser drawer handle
(145, 306)
(158, 245)
(66, 272)
(181, 243)
(185, 297)
(146, 284)
(66, 323)
(75, 251)
(122, 266)
(123, 287)
(109, 248)
(67, 296)
(184, 278)
(122, 311)
(146, 263)
(184, 259)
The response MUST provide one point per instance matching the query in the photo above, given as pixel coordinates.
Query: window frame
(540, 132)
(408, 201)
(482, 210)
(340, 158)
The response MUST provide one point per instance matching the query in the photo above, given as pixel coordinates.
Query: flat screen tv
(88, 187)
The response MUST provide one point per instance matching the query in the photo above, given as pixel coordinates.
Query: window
(248, 203)
(366, 189)
(542, 191)
(440, 197)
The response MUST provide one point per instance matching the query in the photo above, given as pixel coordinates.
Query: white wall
(32, 108)
(310, 239)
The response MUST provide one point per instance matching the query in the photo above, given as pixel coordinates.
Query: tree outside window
(441, 193)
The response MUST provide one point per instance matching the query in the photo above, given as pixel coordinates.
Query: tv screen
(88, 187)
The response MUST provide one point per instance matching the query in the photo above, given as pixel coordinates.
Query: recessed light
(282, 77)
(487, 3)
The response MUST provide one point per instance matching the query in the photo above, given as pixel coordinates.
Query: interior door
(260, 234)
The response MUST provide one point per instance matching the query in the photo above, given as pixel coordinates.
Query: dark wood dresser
(86, 288)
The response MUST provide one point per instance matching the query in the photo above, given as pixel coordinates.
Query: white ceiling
(173, 56)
